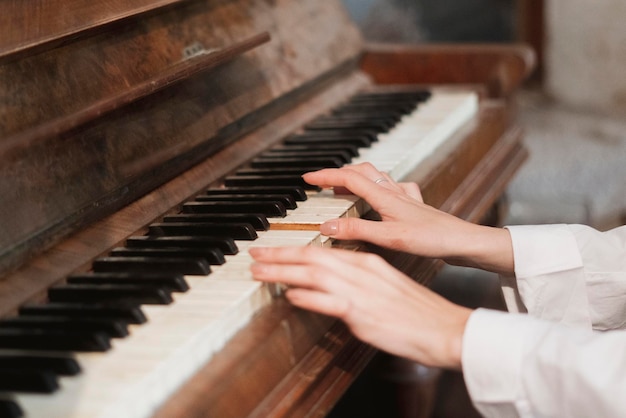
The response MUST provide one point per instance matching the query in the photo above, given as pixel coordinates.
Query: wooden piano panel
(62, 180)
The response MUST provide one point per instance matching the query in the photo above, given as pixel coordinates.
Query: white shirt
(555, 361)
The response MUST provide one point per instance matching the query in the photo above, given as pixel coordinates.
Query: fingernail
(258, 268)
(256, 251)
(329, 228)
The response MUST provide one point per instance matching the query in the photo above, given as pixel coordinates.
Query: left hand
(379, 304)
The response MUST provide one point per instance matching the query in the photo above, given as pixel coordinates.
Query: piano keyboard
(185, 328)
(417, 136)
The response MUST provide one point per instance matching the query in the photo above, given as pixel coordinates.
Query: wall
(586, 53)
(434, 20)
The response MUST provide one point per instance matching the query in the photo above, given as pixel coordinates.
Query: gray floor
(576, 172)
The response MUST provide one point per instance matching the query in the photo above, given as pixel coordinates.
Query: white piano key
(142, 370)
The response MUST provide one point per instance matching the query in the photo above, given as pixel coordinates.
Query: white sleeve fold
(572, 274)
(518, 366)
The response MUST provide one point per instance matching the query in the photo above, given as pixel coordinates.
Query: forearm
(482, 247)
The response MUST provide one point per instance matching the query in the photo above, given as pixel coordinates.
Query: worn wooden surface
(31, 280)
(43, 24)
(500, 68)
(60, 182)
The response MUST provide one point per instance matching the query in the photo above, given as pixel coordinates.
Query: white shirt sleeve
(518, 366)
(569, 278)
(571, 274)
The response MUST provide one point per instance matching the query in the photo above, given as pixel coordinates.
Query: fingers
(358, 179)
(368, 295)
(324, 303)
(354, 181)
(323, 280)
(387, 234)
(307, 267)
(328, 177)
(354, 229)
(412, 190)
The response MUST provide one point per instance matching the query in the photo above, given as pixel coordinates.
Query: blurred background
(573, 108)
(573, 111)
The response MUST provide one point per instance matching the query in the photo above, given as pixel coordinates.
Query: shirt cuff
(492, 356)
(543, 249)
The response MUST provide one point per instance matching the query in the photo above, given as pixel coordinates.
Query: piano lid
(62, 167)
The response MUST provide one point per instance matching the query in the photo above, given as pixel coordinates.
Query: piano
(146, 144)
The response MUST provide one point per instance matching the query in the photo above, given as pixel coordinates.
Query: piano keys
(202, 315)
(143, 198)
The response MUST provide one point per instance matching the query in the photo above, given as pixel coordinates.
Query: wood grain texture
(40, 24)
(64, 181)
(31, 280)
(500, 68)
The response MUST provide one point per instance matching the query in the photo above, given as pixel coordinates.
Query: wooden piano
(117, 116)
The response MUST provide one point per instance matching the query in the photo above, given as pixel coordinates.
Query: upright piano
(146, 144)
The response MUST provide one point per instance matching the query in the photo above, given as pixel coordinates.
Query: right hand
(410, 225)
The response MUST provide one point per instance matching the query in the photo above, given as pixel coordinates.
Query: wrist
(484, 247)
(455, 338)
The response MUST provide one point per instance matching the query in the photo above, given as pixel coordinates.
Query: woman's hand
(410, 225)
(380, 305)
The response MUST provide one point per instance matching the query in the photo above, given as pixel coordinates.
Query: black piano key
(370, 125)
(356, 111)
(10, 409)
(384, 120)
(114, 329)
(396, 112)
(268, 181)
(53, 340)
(130, 294)
(403, 107)
(30, 381)
(415, 95)
(205, 229)
(61, 365)
(269, 209)
(279, 171)
(226, 244)
(343, 156)
(129, 313)
(213, 256)
(258, 221)
(365, 136)
(287, 201)
(339, 127)
(330, 137)
(298, 193)
(179, 265)
(351, 150)
(269, 162)
(389, 100)
(176, 283)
